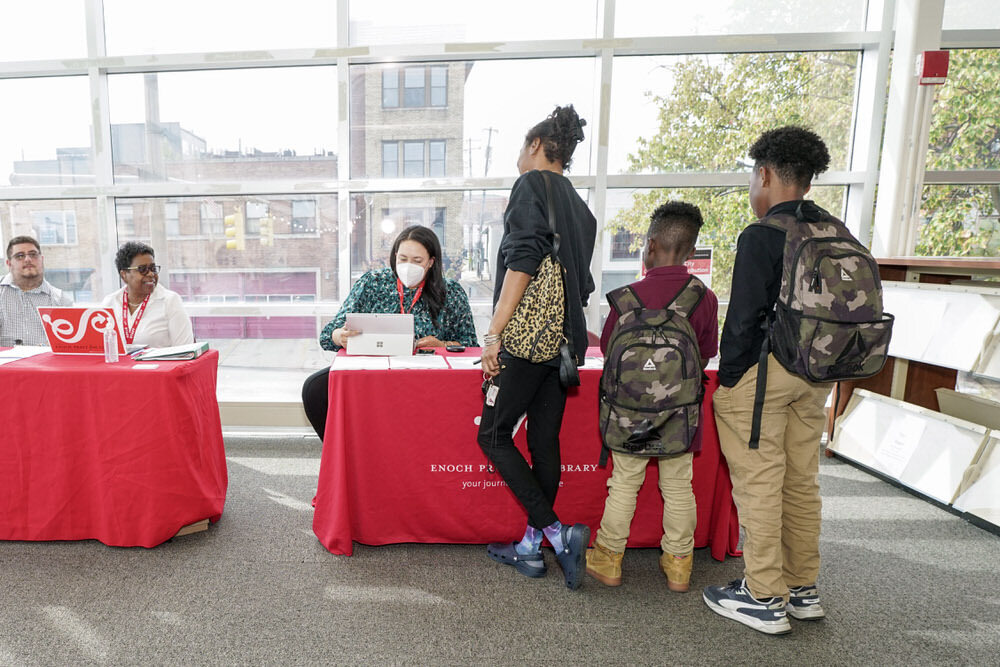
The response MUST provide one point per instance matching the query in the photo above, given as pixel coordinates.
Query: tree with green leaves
(961, 220)
(718, 106)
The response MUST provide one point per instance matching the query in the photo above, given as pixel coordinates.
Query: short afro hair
(797, 155)
(129, 251)
(675, 226)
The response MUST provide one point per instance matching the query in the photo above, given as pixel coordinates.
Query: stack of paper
(21, 352)
(418, 361)
(359, 363)
(464, 363)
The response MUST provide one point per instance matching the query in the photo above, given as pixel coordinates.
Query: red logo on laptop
(73, 330)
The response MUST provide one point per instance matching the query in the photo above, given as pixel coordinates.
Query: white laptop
(382, 334)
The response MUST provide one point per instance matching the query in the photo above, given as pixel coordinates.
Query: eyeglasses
(21, 256)
(145, 268)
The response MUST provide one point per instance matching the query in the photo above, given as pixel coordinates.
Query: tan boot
(677, 570)
(605, 565)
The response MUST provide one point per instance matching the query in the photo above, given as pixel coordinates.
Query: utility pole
(481, 260)
(469, 260)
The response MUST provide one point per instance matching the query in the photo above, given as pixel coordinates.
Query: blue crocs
(572, 558)
(530, 565)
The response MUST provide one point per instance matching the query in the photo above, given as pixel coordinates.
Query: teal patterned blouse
(375, 292)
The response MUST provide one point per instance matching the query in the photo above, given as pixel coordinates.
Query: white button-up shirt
(164, 322)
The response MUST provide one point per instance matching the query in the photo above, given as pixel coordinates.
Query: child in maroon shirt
(670, 241)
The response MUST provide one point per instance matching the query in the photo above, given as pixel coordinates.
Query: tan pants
(775, 487)
(679, 512)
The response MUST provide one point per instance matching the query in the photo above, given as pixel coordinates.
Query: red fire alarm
(932, 67)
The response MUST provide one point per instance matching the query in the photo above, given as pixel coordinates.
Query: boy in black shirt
(775, 485)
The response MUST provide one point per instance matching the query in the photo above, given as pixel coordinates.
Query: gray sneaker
(803, 603)
(735, 601)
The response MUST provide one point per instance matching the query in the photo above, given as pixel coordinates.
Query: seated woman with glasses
(147, 312)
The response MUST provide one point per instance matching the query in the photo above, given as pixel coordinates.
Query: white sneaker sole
(812, 613)
(780, 627)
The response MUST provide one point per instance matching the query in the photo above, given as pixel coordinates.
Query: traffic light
(235, 233)
(267, 230)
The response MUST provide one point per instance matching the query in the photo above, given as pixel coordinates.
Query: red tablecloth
(400, 464)
(110, 452)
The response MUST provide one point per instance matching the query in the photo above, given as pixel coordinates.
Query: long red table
(114, 452)
(400, 463)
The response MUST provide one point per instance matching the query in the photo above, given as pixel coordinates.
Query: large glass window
(698, 114)
(959, 221)
(184, 26)
(639, 18)
(469, 225)
(965, 132)
(479, 137)
(47, 131)
(970, 15)
(42, 30)
(283, 257)
(404, 21)
(68, 233)
(226, 125)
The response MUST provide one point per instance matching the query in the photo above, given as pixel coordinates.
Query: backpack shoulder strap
(624, 299)
(688, 298)
(780, 221)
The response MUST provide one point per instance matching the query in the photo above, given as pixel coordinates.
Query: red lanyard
(130, 333)
(416, 297)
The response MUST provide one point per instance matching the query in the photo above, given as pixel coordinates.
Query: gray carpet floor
(903, 582)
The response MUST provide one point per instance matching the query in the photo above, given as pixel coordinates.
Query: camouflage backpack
(651, 387)
(828, 323)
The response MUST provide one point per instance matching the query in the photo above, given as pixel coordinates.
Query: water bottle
(110, 344)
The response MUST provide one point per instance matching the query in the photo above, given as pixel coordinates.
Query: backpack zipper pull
(817, 284)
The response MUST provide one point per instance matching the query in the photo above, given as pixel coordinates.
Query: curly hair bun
(560, 132)
(568, 124)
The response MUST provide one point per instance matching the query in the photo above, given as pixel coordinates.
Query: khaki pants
(775, 487)
(679, 512)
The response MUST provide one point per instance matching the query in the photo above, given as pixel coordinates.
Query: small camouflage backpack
(828, 323)
(651, 387)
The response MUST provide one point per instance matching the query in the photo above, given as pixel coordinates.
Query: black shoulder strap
(552, 212)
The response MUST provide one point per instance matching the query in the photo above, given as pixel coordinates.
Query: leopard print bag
(536, 329)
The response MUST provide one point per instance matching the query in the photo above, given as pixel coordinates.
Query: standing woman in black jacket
(520, 386)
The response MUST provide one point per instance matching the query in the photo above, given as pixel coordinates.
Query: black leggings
(533, 389)
(315, 399)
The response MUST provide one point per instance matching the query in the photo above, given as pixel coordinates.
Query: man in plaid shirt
(22, 291)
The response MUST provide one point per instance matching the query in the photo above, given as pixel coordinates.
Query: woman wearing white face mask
(413, 283)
